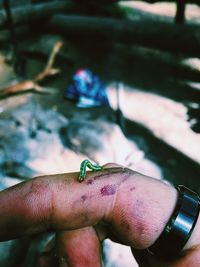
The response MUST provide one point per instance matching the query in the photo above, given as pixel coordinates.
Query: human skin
(116, 202)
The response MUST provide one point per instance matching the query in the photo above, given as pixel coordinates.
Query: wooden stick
(49, 70)
(32, 85)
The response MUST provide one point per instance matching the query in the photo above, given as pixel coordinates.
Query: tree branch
(32, 85)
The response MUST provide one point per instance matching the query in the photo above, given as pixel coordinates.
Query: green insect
(86, 163)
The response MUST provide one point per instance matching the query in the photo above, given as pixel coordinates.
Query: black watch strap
(179, 227)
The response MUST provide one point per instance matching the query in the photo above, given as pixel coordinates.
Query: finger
(80, 248)
(114, 195)
(57, 202)
(136, 207)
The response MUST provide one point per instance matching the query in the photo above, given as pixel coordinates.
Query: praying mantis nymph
(86, 163)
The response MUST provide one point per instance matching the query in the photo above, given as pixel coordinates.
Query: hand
(118, 203)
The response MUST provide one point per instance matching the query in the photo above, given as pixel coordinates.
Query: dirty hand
(116, 202)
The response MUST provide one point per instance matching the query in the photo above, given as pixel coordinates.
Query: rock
(99, 140)
(104, 142)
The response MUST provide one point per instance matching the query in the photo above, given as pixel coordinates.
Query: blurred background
(111, 81)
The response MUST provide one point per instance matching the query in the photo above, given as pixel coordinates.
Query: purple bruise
(83, 198)
(108, 190)
(132, 188)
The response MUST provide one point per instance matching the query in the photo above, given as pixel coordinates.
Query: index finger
(55, 202)
(135, 207)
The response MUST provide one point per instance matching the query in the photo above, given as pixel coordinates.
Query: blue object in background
(87, 90)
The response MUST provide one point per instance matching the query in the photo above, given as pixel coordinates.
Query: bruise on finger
(108, 190)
